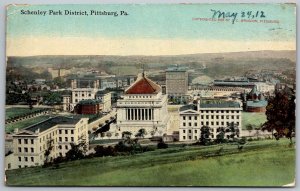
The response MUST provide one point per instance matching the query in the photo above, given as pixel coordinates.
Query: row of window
(140, 96)
(52, 134)
(26, 141)
(207, 123)
(26, 150)
(220, 116)
(26, 159)
(195, 137)
(221, 111)
(76, 95)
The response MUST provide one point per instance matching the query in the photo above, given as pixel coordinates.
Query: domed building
(256, 101)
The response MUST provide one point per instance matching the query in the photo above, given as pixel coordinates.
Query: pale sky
(147, 30)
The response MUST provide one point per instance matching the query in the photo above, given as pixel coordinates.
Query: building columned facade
(211, 113)
(176, 81)
(30, 144)
(143, 106)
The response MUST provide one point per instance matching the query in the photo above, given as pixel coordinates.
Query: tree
(249, 128)
(204, 136)
(141, 133)
(280, 113)
(53, 98)
(234, 130)
(126, 134)
(47, 153)
(220, 138)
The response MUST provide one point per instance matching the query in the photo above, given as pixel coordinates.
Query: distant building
(105, 99)
(212, 113)
(256, 101)
(143, 107)
(88, 107)
(30, 144)
(58, 72)
(176, 81)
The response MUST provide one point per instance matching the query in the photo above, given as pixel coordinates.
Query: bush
(250, 139)
(162, 145)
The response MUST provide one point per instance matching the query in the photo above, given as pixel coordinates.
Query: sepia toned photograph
(152, 95)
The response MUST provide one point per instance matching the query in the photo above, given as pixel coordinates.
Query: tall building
(176, 81)
(30, 144)
(143, 106)
(211, 113)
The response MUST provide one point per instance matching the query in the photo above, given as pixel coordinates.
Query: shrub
(162, 145)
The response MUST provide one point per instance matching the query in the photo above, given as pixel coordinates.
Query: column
(146, 114)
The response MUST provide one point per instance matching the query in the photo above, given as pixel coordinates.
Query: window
(66, 131)
(59, 131)
(232, 117)
(190, 137)
(217, 117)
(20, 159)
(19, 166)
(232, 111)
(237, 123)
(195, 137)
(195, 124)
(227, 117)
(9, 166)
(25, 141)
(217, 123)
(183, 131)
(26, 159)
(227, 111)
(195, 117)
(190, 131)
(60, 139)
(184, 124)
(217, 111)
(222, 111)
(32, 141)
(32, 150)
(183, 117)
(190, 118)
(66, 139)
(60, 147)
(19, 141)
(222, 123)
(183, 137)
(72, 131)
(90, 95)
(237, 117)
(19, 149)
(195, 131)
(190, 124)
(222, 117)
(207, 123)
(212, 136)
(72, 139)
(212, 116)
(212, 123)
(207, 117)
(66, 147)
(82, 95)
(76, 95)
(201, 116)
(201, 122)
(32, 159)
(26, 150)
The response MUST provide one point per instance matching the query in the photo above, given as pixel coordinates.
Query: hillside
(260, 163)
(218, 64)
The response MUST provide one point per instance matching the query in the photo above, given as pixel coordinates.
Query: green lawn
(253, 118)
(16, 111)
(24, 123)
(260, 163)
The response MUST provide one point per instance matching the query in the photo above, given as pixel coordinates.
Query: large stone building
(176, 81)
(90, 91)
(211, 113)
(143, 106)
(30, 144)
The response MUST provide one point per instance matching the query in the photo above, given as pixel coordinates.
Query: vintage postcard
(150, 95)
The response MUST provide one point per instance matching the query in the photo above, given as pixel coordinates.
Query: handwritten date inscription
(218, 14)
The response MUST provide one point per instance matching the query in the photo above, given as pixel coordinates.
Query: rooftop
(188, 107)
(44, 125)
(89, 102)
(260, 103)
(218, 104)
(143, 85)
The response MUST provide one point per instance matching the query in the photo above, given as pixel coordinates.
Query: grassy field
(253, 119)
(25, 123)
(16, 111)
(260, 163)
